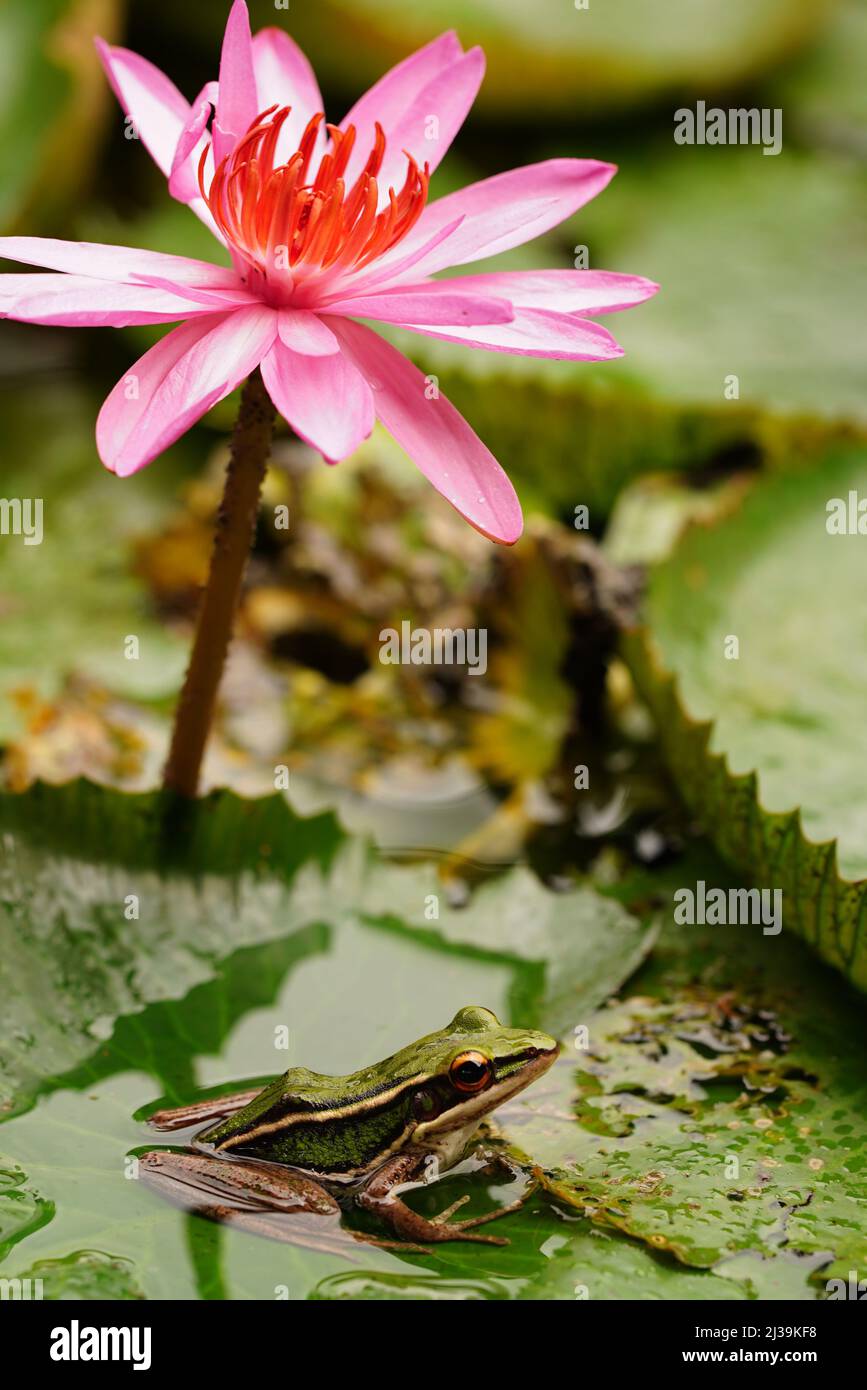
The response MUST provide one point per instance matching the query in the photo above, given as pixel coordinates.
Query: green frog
(312, 1144)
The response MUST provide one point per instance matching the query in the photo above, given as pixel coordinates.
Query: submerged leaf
(752, 658)
(71, 609)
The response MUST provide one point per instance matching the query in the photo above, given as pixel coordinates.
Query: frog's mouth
(469, 1111)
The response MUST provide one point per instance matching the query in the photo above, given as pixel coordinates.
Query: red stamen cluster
(280, 221)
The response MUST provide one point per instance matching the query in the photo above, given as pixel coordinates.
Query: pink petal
(430, 123)
(177, 381)
(236, 99)
(393, 95)
(156, 108)
(158, 111)
(564, 291)
(214, 300)
(536, 333)
(284, 77)
(325, 399)
(504, 211)
(116, 263)
(184, 179)
(442, 302)
(436, 437)
(79, 301)
(304, 332)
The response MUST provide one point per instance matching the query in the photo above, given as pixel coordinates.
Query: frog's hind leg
(193, 1179)
(201, 1112)
(258, 1197)
(262, 1198)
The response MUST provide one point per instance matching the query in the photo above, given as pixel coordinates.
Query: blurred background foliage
(761, 265)
(762, 271)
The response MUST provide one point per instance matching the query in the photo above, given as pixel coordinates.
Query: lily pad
(766, 738)
(69, 602)
(106, 932)
(337, 943)
(712, 1112)
(748, 316)
(85, 1274)
(263, 923)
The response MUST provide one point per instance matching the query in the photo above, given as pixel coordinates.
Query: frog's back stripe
(379, 1098)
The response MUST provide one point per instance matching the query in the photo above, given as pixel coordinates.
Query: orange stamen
(281, 219)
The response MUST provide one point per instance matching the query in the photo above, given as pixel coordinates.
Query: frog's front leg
(202, 1112)
(381, 1194)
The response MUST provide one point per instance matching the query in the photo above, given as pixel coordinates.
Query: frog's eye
(470, 1072)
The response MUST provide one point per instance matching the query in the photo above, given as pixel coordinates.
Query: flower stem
(236, 524)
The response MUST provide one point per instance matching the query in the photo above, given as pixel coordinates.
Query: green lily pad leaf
(581, 1261)
(266, 940)
(21, 1210)
(719, 1120)
(52, 100)
(85, 1274)
(111, 938)
(565, 57)
(69, 601)
(767, 748)
(279, 941)
(731, 235)
(651, 514)
(588, 943)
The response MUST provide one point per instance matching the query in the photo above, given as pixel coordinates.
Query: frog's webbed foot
(381, 1195)
(444, 1216)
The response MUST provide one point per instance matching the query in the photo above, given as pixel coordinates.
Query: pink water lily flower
(324, 225)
